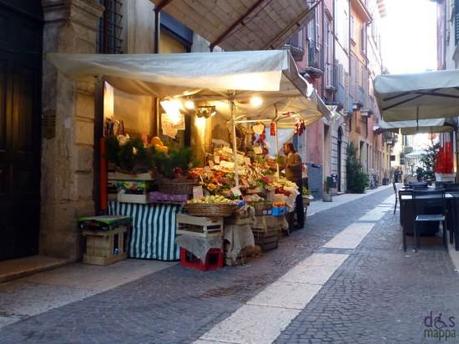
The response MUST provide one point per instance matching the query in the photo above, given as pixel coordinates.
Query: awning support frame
(239, 21)
(296, 22)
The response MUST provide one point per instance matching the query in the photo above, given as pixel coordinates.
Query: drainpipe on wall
(349, 49)
(456, 137)
(445, 23)
(334, 53)
(157, 30)
(322, 39)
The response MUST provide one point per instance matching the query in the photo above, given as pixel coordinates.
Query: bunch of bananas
(211, 200)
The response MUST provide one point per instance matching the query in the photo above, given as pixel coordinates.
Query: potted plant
(326, 195)
(129, 158)
(357, 179)
(174, 167)
(131, 167)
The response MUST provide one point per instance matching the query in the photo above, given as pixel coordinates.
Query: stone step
(20, 267)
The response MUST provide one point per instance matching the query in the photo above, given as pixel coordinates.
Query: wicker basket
(262, 208)
(210, 209)
(176, 186)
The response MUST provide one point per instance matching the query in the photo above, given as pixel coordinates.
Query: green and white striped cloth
(154, 229)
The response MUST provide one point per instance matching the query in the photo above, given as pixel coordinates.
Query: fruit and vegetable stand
(169, 197)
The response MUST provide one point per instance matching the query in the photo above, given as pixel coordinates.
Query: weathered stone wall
(70, 26)
(138, 27)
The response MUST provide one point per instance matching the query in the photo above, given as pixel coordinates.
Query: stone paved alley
(320, 286)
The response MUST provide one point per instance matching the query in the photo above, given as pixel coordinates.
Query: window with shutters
(109, 35)
(351, 30)
(363, 39)
(456, 21)
(328, 52)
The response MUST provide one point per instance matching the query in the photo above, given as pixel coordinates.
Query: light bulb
(256, 101)
(172, 108)
(189, 104)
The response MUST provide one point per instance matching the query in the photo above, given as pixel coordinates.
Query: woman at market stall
(293, 172)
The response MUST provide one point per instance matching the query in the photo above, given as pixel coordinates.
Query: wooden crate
(267, 239)
(199, 226)
(105, 247)
(131, 198)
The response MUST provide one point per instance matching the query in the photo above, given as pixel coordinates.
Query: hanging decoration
(272, 129)
(299, 128)
(258, 128)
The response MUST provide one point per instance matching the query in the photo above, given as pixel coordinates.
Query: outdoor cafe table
(407, 214)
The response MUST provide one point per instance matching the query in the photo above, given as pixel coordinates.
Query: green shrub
(357, 180)
(168, 164)
(131, 157)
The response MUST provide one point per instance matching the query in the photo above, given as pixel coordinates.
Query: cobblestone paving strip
(382, 295)
(292, 291)
(177, 305)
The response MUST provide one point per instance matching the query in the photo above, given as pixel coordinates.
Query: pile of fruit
(159, 145)
(214, 199)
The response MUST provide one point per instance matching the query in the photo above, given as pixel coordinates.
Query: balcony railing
(314, 55)
(296, 51)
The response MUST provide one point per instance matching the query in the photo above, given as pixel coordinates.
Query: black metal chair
(430, 206)
(418, 185)
(451, 187)
(403, 211)
(454, 208)
(396, 195)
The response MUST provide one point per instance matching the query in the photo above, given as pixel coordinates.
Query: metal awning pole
(233, 123)
(277, 142)
(277, 152)
(456, 131)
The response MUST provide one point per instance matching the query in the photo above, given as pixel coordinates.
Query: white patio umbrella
(418, 96)
(436, 125)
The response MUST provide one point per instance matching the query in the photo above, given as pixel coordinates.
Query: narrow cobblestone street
(378, 294)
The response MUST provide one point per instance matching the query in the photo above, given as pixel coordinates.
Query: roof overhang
(240, 24)
(362, 10)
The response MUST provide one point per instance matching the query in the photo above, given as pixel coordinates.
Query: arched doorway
(339, 158)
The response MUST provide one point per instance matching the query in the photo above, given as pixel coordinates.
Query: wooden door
(20, 144)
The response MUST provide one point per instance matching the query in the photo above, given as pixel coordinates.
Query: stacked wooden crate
(267, 230)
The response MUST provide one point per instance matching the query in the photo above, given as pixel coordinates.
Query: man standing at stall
(293, 172)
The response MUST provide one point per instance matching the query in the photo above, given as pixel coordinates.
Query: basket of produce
(211, 206)
(177, 186)
(262, 208)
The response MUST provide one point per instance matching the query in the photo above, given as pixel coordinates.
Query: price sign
(236, 191)
(257, 150)
(198, 192)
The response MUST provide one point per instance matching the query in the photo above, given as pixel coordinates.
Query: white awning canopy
(208, 77)
(418, 96)
(412, 127)
(240, 24)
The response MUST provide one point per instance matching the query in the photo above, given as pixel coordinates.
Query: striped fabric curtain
(154, 229)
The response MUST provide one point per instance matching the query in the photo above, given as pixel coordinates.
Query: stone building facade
(68, 128)
(68, 111)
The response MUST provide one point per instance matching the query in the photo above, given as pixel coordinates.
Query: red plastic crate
(214, 260)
